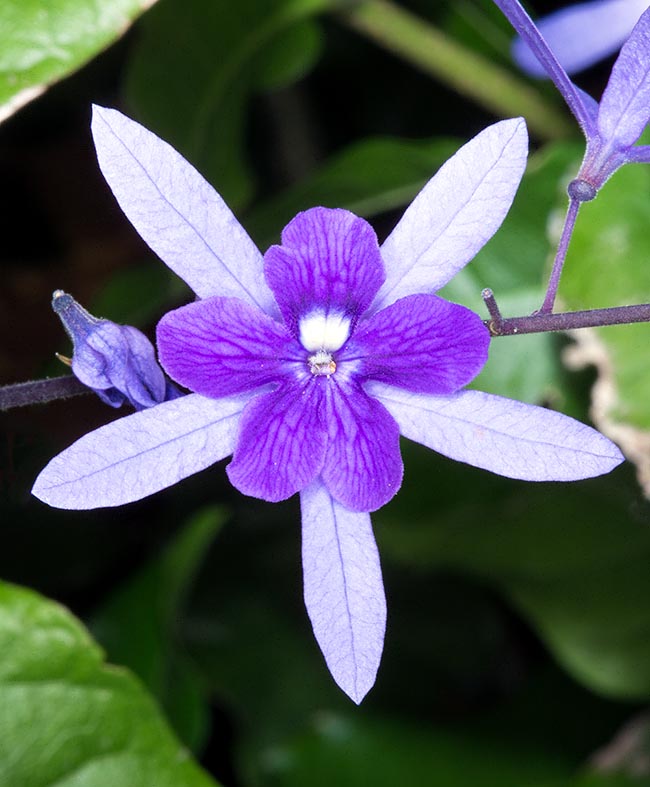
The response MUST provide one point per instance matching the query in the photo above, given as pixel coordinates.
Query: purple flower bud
(117, 361)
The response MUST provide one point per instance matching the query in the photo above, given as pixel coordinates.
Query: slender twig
(40, 391)
(567, 321)
(492, 307)
(560, 256)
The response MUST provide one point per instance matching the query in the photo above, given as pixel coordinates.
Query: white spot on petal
(320, 331)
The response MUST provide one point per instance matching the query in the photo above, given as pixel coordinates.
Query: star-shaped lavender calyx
(117, 361)
(308, 363)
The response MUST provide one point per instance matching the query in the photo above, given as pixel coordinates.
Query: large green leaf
(138, 624)
(196, 65)
(42, 42)
(67, 718)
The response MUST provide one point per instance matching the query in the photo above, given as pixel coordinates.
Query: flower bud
(117, 361)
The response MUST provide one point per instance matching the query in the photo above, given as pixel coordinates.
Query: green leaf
(191, 83)
(138, 624)
(572, 557)
(41, 43)
(67, 718)
(607, 265)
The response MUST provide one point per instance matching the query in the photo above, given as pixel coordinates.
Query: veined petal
(177, 212)
(281, 442)
(509, 438)
(422, 343)
(142, 453)
(363, 467)
(582, 34)
(328, 262)
(455, 214)
(625, 105)
(221, 346)
(344, 592)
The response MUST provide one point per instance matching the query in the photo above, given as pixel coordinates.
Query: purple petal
(177, 212)
(329, 261)
(281, 443)
(220, 346)
(422, 343)
(582, 34)
(625, 105)
(455, 214)
(344, 592)
(142, 453)
(510, 438)
(363, 466)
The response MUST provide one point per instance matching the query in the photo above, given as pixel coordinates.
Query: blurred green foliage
(201, 100)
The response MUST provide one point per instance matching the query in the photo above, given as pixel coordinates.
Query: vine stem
(40, 391)
(53, 388)
(560, 256)
(544, 322)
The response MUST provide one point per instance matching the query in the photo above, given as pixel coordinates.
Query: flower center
(322, 333)
(321, 363)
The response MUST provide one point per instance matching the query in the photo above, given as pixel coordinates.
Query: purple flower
(308, 363)
(318, 421)
(582, 34)
(613, 126)
(117, 361)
